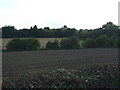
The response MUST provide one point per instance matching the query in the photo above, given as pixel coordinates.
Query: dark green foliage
(89, 43)
(53, 45)
(118, 43)
(46, 32)
(114, 43)
(83, 34)
(70, 43)
(69, 32)
(104, 76)
(23, 44)
(8, 31)
(15, 44)
(103, 41)
(105, 37)
(108, 29)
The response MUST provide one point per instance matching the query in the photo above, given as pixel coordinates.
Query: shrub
(118, 43)
(98, 76)
(70, 43)
(52, 45)
(114, 43)
(15, 44)
(89, 43)
(103, 41)
(23, 44)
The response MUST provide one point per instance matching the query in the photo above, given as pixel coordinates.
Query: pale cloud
(56, 13)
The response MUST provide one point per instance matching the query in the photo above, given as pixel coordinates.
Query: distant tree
(8, 31)
(89, 43)
(114, 43)
(118, 43)
(69, 32)
(23, 44)
(83, 35)
(15, 44)
(46, 28)
(53, 45)
(65, 27)
(109, 29)
(31, 27)
(59, 33)
(70, 43)
(31, 44)
(103, 41)
(35, 27)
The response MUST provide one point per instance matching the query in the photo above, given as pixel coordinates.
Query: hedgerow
(95, 77)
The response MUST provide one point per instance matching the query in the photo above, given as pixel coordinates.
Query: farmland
(21, 68)
(50, 59)
(43, 41)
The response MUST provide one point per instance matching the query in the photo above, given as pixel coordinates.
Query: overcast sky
(79, 14)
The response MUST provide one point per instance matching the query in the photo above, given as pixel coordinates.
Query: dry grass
(43, 41)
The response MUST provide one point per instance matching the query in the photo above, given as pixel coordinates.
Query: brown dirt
(49, 59)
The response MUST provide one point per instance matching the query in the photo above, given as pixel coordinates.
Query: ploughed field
(13, 62)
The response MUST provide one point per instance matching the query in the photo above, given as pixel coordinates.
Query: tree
(52, 45)
(15, 44)
(35, 27)
(110, 29)
(70, 43)
(23, 44)
(31, 44)
(65, 27)
(89, 43)
(69, 32)
(8, 31)
(118, 43)
(46, 28)
(103, 41)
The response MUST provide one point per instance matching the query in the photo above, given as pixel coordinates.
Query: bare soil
(49, 59)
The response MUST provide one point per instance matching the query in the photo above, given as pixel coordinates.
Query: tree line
(108, 36)
(109, 29)
(28, 44)
(46, 32)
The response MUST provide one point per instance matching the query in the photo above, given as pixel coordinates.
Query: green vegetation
(53, 45)
(108, 29)
(74, 42)
(103, 41)
(23, 44)
(89, 43)
(105, 76)
(105, 37)
(70, 43)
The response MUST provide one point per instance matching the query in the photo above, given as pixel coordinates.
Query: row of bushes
(27, 44)
(66, 43)
(102, 42)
